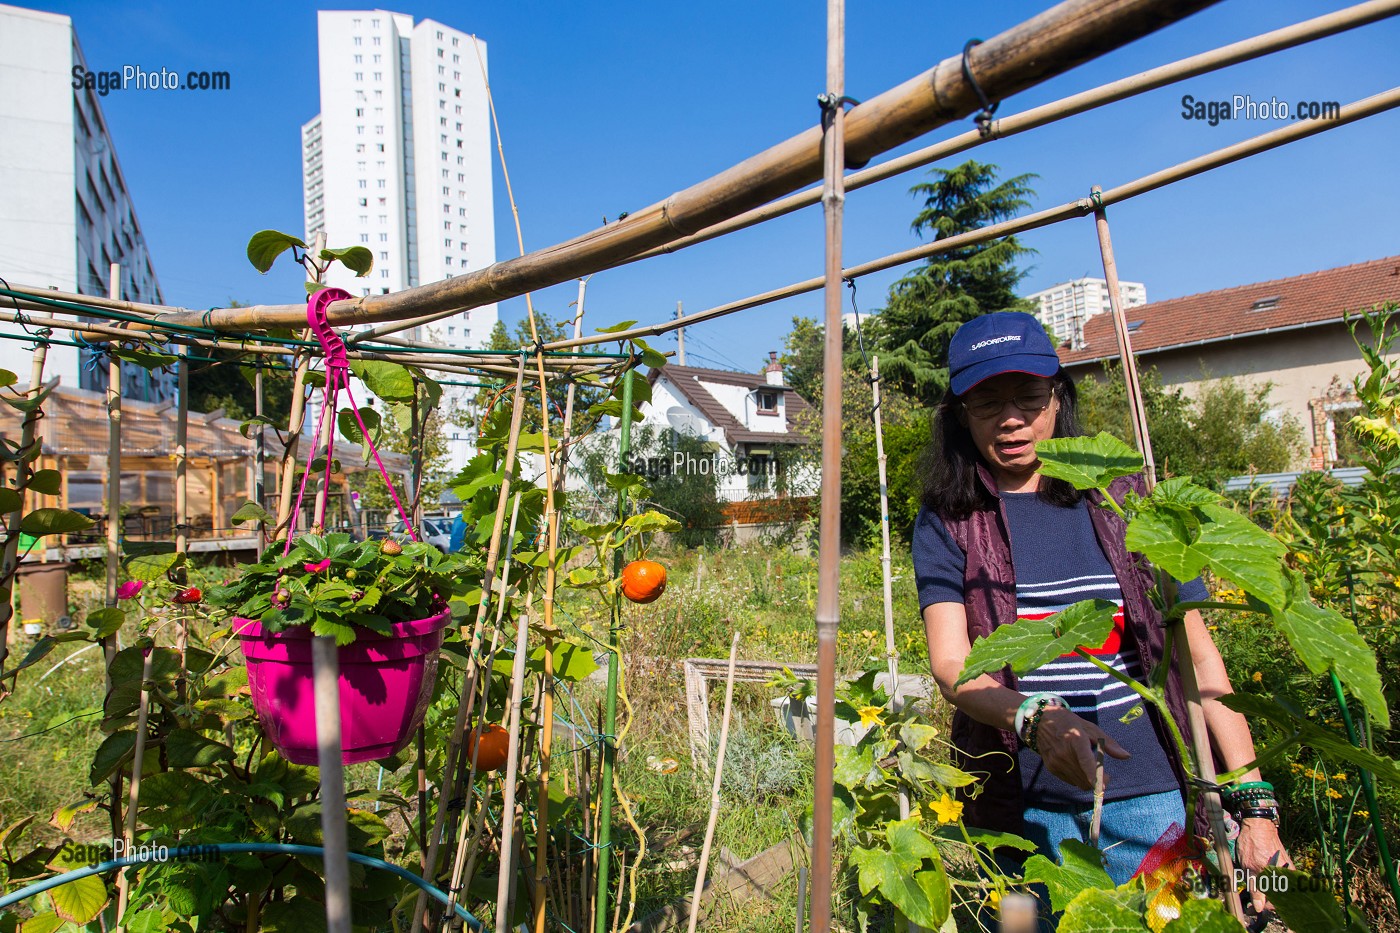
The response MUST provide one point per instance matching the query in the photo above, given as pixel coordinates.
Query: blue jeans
(1129, 828)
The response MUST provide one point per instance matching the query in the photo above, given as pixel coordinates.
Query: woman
(996, 541)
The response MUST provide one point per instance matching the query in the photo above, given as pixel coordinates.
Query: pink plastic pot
(386, 683)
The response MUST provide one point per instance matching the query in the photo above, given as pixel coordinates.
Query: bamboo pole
(1066, 35)
(1176, 627)
(114, 534)
(714, 788)
(334, 833)
(138, 763)
(828, 608)
(1245, 50)
(259, 453)
(504, 880)
(470, 678)
(296, 419)
(1350, 113)
(1136, 409)
(608, 740)
(28, 436)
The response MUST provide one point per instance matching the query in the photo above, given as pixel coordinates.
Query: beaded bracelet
(1028, 706)
(1043, 703)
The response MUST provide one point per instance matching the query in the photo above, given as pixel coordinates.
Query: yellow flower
(1339, 510)
(947, 809)
(1257, 677)
(1340, 776)
(1334, 793)
(1302, 558)
(993, 899)
(1364, 814)
(870, 716)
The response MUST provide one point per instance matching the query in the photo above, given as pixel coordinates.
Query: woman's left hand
(1259, 847)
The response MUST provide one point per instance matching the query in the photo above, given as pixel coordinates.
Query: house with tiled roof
(1291, 332)
(746, 419)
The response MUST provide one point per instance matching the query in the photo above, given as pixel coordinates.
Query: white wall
(65, 213)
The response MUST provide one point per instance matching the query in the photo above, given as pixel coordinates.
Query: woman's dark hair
(952, 488)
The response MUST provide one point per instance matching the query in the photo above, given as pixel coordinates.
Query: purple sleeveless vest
(989, 595)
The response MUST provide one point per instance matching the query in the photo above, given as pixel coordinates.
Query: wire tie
(983, 119)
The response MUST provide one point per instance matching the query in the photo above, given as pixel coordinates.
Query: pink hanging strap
(337, 378)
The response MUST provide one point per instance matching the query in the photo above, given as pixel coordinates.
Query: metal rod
(714, 788)
(1350, 113)
(828, 608)
(1048, 44)
(608, 740)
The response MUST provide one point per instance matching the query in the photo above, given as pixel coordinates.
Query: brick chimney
(773, 374)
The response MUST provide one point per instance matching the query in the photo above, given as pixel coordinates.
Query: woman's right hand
(1066, 743)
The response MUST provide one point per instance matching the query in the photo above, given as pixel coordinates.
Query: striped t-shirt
(1056, 561)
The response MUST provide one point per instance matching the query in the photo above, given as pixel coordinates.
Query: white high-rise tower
(399, 160)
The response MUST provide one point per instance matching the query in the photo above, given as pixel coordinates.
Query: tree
(905, 425)
(804, 349)
(925, 308)
(1226, 430)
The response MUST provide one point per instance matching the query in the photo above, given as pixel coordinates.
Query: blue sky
(609, 107)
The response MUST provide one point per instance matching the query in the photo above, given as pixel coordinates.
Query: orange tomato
(643, 581)
(491, 751)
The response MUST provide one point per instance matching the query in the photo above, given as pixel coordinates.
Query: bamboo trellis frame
(1062, 37)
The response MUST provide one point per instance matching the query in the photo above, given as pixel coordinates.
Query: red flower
(188, 597)
(318, 566)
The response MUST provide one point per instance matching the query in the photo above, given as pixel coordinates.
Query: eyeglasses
(1028, 402)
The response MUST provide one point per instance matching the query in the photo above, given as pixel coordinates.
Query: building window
(383, 254)
(447, 243)
(383, 273)
(359, 59)
(359, 76)
(446, 190)
(364, 238)
(364, 202)
(448, 261)
(357, 42)
(363, 183)
(440, 53)
(379, 146)
(381, 183)
(767, 402)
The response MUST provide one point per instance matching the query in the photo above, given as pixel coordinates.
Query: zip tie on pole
(983, 119)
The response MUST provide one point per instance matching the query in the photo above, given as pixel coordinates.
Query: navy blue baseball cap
(1002, 342)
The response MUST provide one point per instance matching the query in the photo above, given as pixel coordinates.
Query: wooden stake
(28, 436)
(138, 762)
(114, 533)
(259, 453)
(182, 501)
(508, 804)
(1176, 628)
(828, 609)
(296, 420)
(715, 787)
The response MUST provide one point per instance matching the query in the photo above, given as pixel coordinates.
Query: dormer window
(767, 402)
(1266, 304)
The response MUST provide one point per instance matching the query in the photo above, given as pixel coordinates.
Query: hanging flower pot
(386, 684)
(385, 604)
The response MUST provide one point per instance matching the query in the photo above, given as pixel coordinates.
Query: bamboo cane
(609, 742)
(1176, 627)
(114, 535)
(259, 453)
(470, 677)
(296, 419)
(508, 794)
(1048, 44)
(1302, 129)
(28, 436)
(828, 608)
(1245, 50)
(714, 788)
(138, 761)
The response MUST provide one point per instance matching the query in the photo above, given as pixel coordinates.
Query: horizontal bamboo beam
(1302, 129)
(1320, 27)
(1066, 35)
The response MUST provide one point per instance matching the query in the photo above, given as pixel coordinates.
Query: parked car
(436, 531)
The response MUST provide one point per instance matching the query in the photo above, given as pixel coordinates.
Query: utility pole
(680, 337)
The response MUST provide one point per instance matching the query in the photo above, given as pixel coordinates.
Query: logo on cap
(987, 343)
